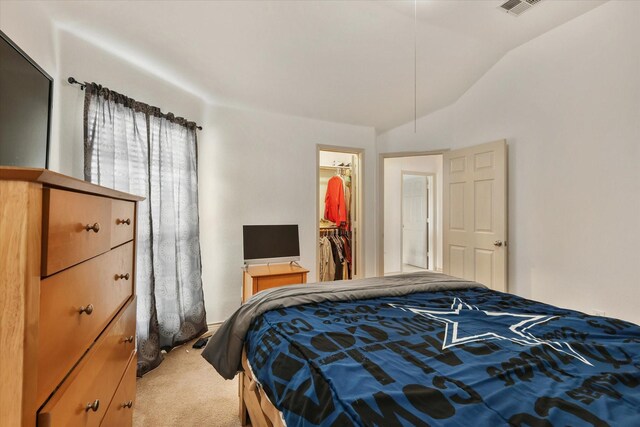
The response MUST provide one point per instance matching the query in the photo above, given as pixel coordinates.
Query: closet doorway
(339, 214)
(411, 212)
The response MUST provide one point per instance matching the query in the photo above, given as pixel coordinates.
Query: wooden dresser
(257, 278)
(67, 301)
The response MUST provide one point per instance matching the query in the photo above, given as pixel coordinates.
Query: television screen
(25, 105)
(266, 243)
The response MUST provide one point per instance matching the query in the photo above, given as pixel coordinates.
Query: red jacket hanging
(334, 205)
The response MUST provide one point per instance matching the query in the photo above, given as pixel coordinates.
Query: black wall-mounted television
(25, 108)
(270, 243)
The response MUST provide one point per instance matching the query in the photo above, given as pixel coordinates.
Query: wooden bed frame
(254, 404)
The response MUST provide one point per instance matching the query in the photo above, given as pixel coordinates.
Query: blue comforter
(461, 358)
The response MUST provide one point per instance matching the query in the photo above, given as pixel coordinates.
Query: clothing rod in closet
(335, 232)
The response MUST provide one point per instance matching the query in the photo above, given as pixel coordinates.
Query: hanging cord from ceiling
(415, 66)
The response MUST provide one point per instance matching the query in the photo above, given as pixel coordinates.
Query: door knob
(497, 243)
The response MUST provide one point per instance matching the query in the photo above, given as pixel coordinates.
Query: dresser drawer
(66, 333)
(75, 227)
(122, 220)
(268, 282)
(120, 411)
(94, 381)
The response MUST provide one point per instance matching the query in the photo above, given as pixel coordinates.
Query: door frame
(431, 200)
(380, 204)
(358, 237)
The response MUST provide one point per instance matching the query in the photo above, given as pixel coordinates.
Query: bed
(425, 349)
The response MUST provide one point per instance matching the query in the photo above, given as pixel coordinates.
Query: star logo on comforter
(466, 323)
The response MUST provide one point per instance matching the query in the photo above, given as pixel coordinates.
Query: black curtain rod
(73, 81)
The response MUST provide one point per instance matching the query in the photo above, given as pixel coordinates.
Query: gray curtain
(133, 147)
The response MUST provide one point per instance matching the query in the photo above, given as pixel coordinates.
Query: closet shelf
(336, 167)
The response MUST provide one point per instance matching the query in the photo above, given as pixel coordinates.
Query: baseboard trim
(392, 273)
(213, 326)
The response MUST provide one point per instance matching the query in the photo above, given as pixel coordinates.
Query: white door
(415, 220)
(475, 214)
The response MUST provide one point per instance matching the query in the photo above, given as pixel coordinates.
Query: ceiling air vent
(517, 7)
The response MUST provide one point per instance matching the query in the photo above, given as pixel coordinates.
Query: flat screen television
(25, 108)
(270, 243)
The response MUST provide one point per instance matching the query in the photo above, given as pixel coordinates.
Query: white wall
(568, 104)
(85, 61)
(393, 168)
(253, 167)
(260, 168)
(29, 27)
(63, 53)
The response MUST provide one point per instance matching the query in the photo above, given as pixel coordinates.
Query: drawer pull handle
(95, 227)
(128, 404)
(92, 406)
(123, 221)
(122, 276)
(129, 339)
(88, 309)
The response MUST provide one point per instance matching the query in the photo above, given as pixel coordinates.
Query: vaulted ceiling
(341, 61)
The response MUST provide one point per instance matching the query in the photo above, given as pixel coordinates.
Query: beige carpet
(185, 391)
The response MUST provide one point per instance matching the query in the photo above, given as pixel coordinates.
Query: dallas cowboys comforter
(456, 354)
